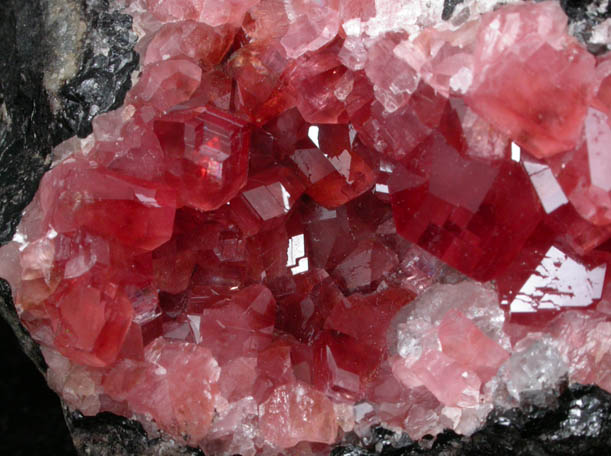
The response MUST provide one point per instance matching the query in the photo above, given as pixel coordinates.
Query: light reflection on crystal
(558, 282)
(313, 135)
(515, 152)
(255, 255)
(549, 191)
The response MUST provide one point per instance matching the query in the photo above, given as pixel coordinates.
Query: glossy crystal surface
(311, 218)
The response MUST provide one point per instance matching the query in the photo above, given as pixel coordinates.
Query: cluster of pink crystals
(308, 220)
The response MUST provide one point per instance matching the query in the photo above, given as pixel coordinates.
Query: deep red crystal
(312, 218)
(462, 209)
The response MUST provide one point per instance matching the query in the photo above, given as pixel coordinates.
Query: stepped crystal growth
(310, 218)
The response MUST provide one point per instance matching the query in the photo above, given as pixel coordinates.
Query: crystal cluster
(311, 217)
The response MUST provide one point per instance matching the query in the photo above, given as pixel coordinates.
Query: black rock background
(31, 418)
(31, 421)
(580, 425)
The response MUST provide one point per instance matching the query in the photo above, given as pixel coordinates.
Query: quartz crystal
(312, 218)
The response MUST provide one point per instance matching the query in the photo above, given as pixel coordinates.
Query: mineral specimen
(310, 219)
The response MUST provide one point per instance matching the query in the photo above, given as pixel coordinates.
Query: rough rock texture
(580, 425)
(587, 22)
(25, 137)
(108, 435)
(53, 80)
(51, 86)
(107, 63)
(43, 102)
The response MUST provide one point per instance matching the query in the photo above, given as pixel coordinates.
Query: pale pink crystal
(526, 47)
(467, 344)
(200, 42)
(394, 80)
(447, 379)
(167, 83)
(584, 340)
(295, 413)
(602, 101)
(312, 24)
(255, 297)
(211, 12)
(584, 173)
(177, 385)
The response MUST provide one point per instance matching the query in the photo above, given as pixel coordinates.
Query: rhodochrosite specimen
(311, 218)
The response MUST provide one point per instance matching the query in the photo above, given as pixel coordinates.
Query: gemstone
(208, 153)
(257, 69)
(331, 165)
(242, 325)
(462, 224)
(201, 43)
(311, 25)
(311, 219)
(588, 187)
(142, 212)
(326, 91)
(210, 12)
(295, 414)
(466, 343)
(266, 199)
(544, 111)
(166, 83)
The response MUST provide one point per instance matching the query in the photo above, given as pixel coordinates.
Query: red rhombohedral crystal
(311, 218)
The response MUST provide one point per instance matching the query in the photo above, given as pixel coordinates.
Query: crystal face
(209, 151)
(312, 218)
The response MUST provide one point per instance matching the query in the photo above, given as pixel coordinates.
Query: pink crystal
(367, 317)
(243, 324)
(167, 83)
(295, 414)
(342, 366)
(303, 313)
(209, 151)
(177, 391)
(257, 69)
(142, 212)
(255, 254)
(312, 24)
(543, 111)
(211, 12)
(394, 134)
(201, 43)
(266, 199)
(583, 339)
(462, 223)
(394, 80)
(326, 91)
(365, 266)
(91, 326)
(447, 379)
(332, 166)
(602, 100)
(584, 172)
(468, 345)
(444, 59)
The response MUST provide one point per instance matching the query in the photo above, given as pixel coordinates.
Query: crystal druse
(311, 218)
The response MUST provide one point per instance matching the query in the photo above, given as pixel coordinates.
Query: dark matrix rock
(62, 62)
(579, 425)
